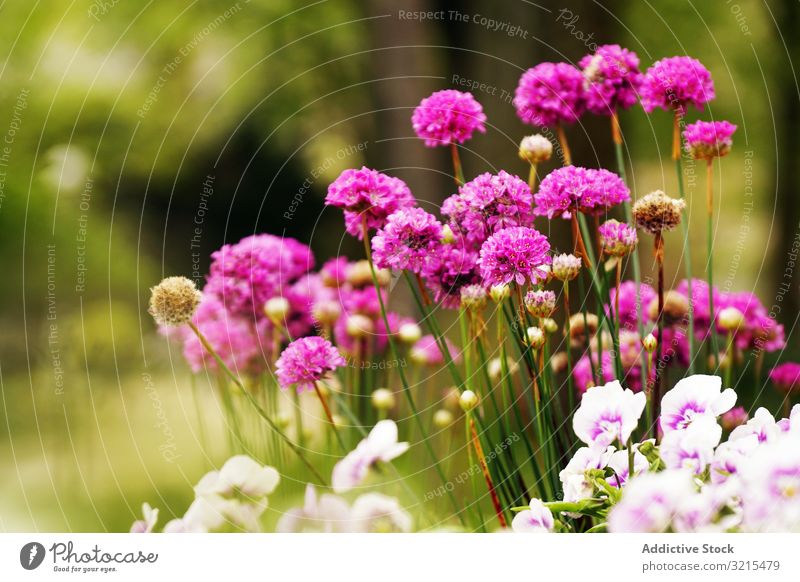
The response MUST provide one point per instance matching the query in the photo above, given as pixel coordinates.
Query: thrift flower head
(516, 254)
(709, 139)
(571, 189)
(786, 377)
(617, 238)
(693, 397)
(409, 236)
(607, 413)
(540, 303)
(566, 267)
(612, 79)
(487, 204)
(734, 417)
(537, 519)
(657, 212)
(426, 351)
(448, 117)
(675, 83)
(535, 149)
(450, 268)
(307, 360)
(550, 93)
(380, 445)
(629, 299)
(367, 195)
(473, 297)
(174, 301)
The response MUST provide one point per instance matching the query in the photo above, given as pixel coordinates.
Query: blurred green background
(115, 115)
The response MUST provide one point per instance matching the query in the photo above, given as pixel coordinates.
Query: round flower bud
(730, 319)
(535, 148)
(550, 325)
(617, 238)
(359, 273)
(276, 309)
(451, 398)
(447, 235)
(540, 303)
(536, 337)
(676, 307)
(566, 267)
(579, 328)
(559, 362)
(734, 417)
(326, 311)
(495, 367)
(468, 400)
(649, 343)
(383, 399)
(283, 420)
(499, 293)
(174, 301)
(473, 297)
(359, 326)
(657, 212)
(409, 333)
(442, 418)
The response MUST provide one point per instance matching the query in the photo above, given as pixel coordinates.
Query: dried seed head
(174, 301)
(657, 212)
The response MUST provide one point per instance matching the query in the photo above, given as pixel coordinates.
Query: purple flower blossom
(245, 275)
(628, 301)
(736, 416)
(407, 239)
(550, 93)
(617, 238)
(305, 361)
(517, 254)
(570, 189)
(693, 397)
(709, 139)
(448, 117)
(786, 377)
(379, 445)
(367, 195)
(612, 79)
(451, 267)
(487, 204)
(607, 413)
(675, 83)
(426, 351)
(537, 519)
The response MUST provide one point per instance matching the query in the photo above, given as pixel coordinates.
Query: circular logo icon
(31, 555)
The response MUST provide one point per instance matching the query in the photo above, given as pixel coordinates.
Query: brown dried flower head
(174, 301)
(657, 212)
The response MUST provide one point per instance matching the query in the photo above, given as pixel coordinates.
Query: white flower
(537, 519)
(762, 425)
(376, 513)
(607, 413)
(729, 455)
(693, 447)
(147, 524)
(573, 476)
(619, 462)
(380, 445)
(326, 514)
(241, 475)
(650, 502)
(694, 396)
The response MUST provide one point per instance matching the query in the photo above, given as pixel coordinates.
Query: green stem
(457, 168)
(687, 260)
(712, 331)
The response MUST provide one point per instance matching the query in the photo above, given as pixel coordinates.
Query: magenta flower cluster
(487, 204)
(407, 240)
(570, 189)
(550, 93)
(515, 255)
(367, 197)
(448, 117)
(612, 79)
(786, 377)
(709, 139)
(306, 361)
(675, 83)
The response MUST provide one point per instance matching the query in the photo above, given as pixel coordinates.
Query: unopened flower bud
(495, 367)
(174, 301)
(566, 267)
(540, 303)
(359, 326)
(559, 362)
(473, 297)
(649, 343)
(283, 420)
(276, 309)
(499, 293)
(734, 417)
(442, 418)
(409, 333)
(326, 311)
(550, 325)
(383, 399)
(730, 319)
(535, 148)
(536, 337)
(447, 235)
(468, 400)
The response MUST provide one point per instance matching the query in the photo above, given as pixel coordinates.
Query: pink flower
(448, 117)
(786, 377)
(629, 299)
(612, 79)
(367, 195)
(450, 268)
(675, 83)
(709, 139)
(245, 275)
(734, 417)
(517, 254)
(487, 204)
(407, 239)
(426, 351)
(537, 519)
(550, 93)
(617, 238)
(305, 361)
(380, 445)
(570, 189)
